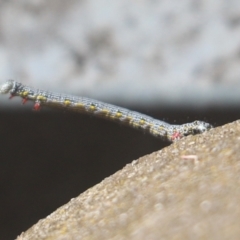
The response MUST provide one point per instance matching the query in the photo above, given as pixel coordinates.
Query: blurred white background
(162, 53)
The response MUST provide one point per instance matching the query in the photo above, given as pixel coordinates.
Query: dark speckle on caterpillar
(134, 119)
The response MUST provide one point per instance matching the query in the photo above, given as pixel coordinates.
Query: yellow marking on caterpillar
(118, 114)
(105, 111)
(154, 132)
(24, 93)
(111, 116)
(161, 128)
(135, 124)
(41, 98)
(92, 107)
(80, 105)
(67, 102)
(142, 121)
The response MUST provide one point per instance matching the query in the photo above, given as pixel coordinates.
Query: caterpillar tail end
(6, 87)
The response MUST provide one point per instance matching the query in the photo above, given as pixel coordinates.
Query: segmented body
(137, 120)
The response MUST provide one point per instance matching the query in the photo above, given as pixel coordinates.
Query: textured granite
(189, 190)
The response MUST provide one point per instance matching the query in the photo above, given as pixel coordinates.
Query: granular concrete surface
(189, 190)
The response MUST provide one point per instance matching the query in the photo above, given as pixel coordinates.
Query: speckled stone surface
(189, 190)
